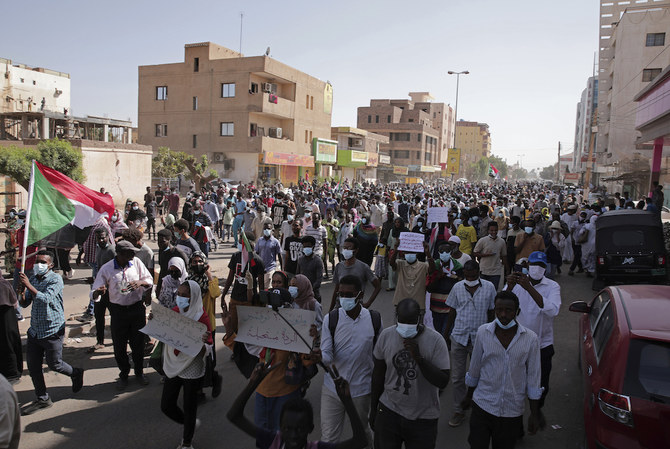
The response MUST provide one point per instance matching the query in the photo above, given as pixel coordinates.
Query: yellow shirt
(468, 237)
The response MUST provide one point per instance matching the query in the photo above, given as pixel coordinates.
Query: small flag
(493, 172)
(246, 251)
(55, 201)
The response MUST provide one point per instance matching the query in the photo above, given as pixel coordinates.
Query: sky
(529, 60)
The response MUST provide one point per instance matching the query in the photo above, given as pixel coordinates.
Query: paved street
(101, 417)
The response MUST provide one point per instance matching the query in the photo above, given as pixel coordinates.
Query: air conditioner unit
(218, 157)
(229, 164)
(267, 87)
(276, 133)
(357, 142)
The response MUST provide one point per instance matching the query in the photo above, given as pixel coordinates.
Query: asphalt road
(101, 417)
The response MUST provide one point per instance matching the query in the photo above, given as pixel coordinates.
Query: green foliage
(169, 164)
(16, 161)
(478, 171)
(549, 172)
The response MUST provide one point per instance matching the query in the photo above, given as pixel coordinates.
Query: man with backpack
(347, 343)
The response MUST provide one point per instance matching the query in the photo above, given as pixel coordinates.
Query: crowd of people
(482, 288)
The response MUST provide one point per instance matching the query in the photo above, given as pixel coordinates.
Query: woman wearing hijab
(394, 237)
(176, 276)
(366, 234)
(199, 271)
(182, 370)
(302, 293)
(117, 225)
(11, 355)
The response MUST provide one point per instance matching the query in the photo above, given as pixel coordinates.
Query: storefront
(284, 167)
(350, 162)
(325, 156)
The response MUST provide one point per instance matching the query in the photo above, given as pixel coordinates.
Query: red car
(624, 355)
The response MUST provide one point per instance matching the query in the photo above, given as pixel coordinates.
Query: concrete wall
(22, 83)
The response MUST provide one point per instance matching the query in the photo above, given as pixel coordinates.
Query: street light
(458, 77)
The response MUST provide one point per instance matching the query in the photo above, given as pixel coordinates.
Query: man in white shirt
(129, 285)
(539, 301)
(347, 340)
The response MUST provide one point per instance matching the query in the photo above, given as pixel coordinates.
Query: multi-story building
(420, 132)
(584, 125)
(357, 153)
(474, 141)
(254, 117)
(633, 44)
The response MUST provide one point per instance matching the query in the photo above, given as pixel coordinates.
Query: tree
(519, 173)
(60, 155)
(549, 172)
(169, 164)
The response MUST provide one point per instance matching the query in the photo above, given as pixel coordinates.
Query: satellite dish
(267, 52)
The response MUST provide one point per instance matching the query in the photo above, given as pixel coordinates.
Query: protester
(492, 254)
(352, 266)
(10, 416)
(311, 265)
(411, 274)
(11, 350)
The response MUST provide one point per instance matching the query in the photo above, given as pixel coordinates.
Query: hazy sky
(528, 59)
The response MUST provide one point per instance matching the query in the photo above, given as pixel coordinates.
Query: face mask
(475, 219)
(472, 283)
(176, 234)
(510, 226)
(512, 323)
(422, 212)
(410, 258)
(308, 251)
(197, 212)
(175, 274)
(198, 269)
(293, 290)
(528, 230)
(267, 232)
(289, 217)
(115, 218)
(348, 253)
(103, 244)
(364, 220)
(41, 268)
(500, 214)
(348, 303)
(444, 257)
(135, 207)
(407, 330)
(308, 214)
(182, 302)
(536, 272)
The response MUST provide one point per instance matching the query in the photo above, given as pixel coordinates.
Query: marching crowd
(481, 288)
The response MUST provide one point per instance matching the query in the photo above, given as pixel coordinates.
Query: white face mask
(267, 232)
(471, 283)
(348, 253)
(536, 272)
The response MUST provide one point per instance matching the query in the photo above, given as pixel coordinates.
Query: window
(650, 74)
(195, 141)
(311, 103)
(227, 129)
(161, 130)
(388, 119)
(310, 136)
(195, 103)
(390, 137)
(655, 39)
(161, 93)
(411, 120)
(253, 129)
(376, 119)
(306, 136)
(307, 101)
(646, 370)
(227, 90)
(418, 137)
(369, 119)
(427, 156)
(418, 155)
(254, 88)
(196, 66)
(402, 154)
(603, 330)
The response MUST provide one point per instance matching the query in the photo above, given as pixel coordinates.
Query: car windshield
(630, 239)
(648, 371)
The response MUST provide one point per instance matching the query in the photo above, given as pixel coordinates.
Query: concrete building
(29, 89)
(254, 117)
(358, 153)
(633, 44)
(474, 140)
(420, 132)
(584, 125)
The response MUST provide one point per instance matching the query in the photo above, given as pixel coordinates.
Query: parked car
(624, 356)
(629, 248)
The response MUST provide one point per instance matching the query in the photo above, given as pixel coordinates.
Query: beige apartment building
(358, 155)
(634, 37)
(474, 140)
(255, 118)
(420, 132)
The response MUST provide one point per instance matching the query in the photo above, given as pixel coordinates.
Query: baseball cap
(537, 256)
(125, 245)
(455, 239)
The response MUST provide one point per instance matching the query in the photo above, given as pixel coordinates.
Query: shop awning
(352, 158)
(295, 160)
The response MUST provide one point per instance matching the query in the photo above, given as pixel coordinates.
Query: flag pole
(26, 228)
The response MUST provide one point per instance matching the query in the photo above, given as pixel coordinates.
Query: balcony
(260, 102)
(263, 143)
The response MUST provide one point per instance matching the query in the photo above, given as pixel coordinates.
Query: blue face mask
(528, 229)
(410, 258)
(444, 257)
(293, 290)
(308, 251)
(512, 323)
(348, 303)
(407, 330)
(182, 302)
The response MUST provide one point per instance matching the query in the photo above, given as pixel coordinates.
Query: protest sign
(411, 241)
(263, 326)
(438, 215)
(175, 330)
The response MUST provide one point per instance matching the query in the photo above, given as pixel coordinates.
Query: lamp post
(458, 77)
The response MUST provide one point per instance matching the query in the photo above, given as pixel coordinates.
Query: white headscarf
(173, 364)
(170, 285)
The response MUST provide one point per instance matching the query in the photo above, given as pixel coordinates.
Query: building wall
(474, 140)
(22, 83)
(299, 110)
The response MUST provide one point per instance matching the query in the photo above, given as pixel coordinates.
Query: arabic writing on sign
(264, 327)
(411, 241)
(438, 215)
(175, 330)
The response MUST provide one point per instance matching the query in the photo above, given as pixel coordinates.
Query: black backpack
(334, 317)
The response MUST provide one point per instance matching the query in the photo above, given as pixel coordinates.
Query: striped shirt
(504, 377)
(48, 315)
(320, 234)
(471, 310)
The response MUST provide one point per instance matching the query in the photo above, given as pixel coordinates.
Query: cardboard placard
(438, 215)
(263, 326)
(175, 330)
(411, 242)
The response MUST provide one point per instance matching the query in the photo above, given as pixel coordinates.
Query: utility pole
(241, 21)
(558, 167)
